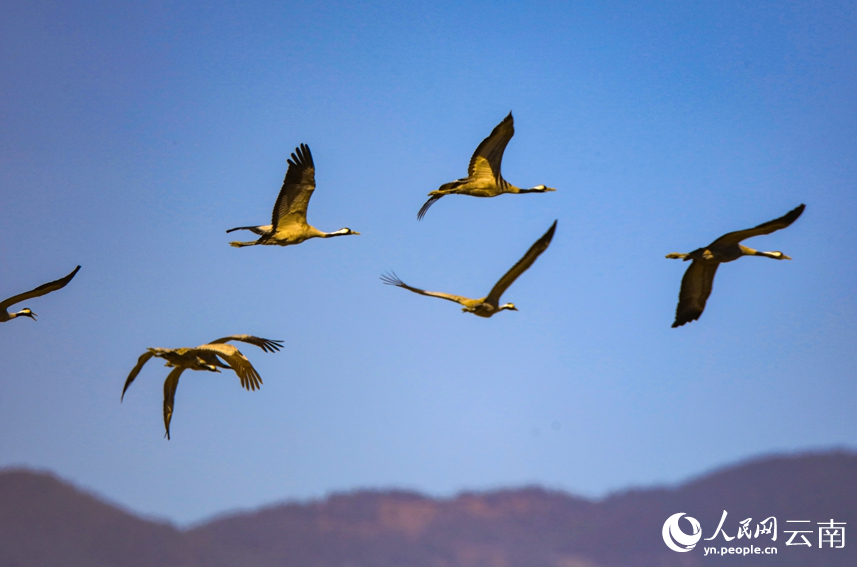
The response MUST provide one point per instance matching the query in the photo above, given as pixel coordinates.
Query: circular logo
(676, 539)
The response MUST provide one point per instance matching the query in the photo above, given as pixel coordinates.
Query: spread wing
(170, 385)
(266, 345)
(298, 185)
(764, 228)
(486, 160)
(250, 379)
(39, 291)
(522, 266)
(144, 358)
(695, 289)
(393, 279)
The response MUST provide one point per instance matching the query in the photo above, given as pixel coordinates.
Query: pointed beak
(31, 315)
(786, 257)
(355, 232)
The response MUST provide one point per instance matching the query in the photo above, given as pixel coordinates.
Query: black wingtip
(549, 234)
(272, 345)
(302, 156)
(390, 278)
(427, 205)
(798, 211)
(679, 321)
(70, 277)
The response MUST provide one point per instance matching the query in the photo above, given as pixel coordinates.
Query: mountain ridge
(47, 521)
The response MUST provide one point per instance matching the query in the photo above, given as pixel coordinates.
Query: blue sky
(134, 135)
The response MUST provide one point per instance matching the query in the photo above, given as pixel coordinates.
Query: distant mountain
(46, 522)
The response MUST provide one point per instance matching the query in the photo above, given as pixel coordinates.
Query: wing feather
(521, 266)
(267, 345)
(764, 228)
(393, 279)
(695, 288)
(250, 379)
(39, 291)
(298, 186)
(424, 209)
(144, 358)
(170, 385)
(486, 160)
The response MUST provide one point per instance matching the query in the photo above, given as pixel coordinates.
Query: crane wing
(486, 160)
(144, 358)
(695, 289)
(424, 209)
(266, 345)
(250, 379)
(764, 228)
(522, 266)
(298, 185)
(170, 385)
(39, 291)
(393, 279)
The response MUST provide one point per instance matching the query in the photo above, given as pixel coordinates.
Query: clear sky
(132, 135)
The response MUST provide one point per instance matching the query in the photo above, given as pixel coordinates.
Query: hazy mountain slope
(46, 522)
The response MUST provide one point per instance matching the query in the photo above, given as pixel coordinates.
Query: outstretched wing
(486, 160)
(298, 185)
(39, 291)
(695, 289)
(144, 358)
(764, 228)
(266, 345)
(170, 385)
(393, 279)
(250, 379)
(522, 266)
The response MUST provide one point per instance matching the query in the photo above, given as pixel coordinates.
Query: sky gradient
(133, 136)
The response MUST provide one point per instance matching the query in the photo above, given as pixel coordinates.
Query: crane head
(26, 312)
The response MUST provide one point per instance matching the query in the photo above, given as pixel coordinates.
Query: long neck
(747, 251)
(536, 189)
(340, 232)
